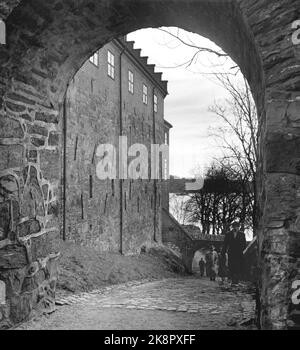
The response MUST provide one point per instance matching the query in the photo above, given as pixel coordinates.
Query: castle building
(115, 93)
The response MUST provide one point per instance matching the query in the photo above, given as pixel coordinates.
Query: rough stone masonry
(117, 215)
(47, 42)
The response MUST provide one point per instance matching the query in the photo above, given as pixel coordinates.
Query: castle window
(95, 59)
(130, 81)
(155, 103)
(110, 64)
(166, 175)
(91, 186)
(166, 138)
(145, 94)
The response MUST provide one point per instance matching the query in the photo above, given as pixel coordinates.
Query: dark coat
(201, 264)
(235, 246)
(223, 265)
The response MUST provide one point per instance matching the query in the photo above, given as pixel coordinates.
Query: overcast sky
(191, 91)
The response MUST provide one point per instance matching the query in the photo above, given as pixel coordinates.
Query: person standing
(212, 263)
(223, 266)
(208, 265)
(234, 245)
(215, 263)
(201, 267)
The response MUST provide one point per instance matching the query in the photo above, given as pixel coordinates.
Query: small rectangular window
(130, 81)
(95, 59)
(92, 85)
(110, 64)
(145, 94)
(155, 103)
(166, 170)
(82, 207)
(91, 186)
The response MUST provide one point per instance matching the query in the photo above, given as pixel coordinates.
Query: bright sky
(191, 92)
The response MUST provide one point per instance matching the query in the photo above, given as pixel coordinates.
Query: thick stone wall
(29, 204)
(279, 199)
(93, 117)
(47, 42)
(141, 198)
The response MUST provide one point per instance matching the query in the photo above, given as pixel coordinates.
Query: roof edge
(149, 69)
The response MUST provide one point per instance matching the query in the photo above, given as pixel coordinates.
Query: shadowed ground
(169, 304)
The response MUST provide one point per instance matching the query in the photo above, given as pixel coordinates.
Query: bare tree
(188, 42)
(178, 208)
(220, 202)
(238, 137)
(210, 51)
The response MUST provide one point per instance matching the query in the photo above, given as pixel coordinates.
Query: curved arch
(55, 39)
(189, 253)
(47, 42)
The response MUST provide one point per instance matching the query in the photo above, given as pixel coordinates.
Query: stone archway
(46, 44)
(200, 253)
(189, 252)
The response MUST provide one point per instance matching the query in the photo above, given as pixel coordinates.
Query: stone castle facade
(115, 93)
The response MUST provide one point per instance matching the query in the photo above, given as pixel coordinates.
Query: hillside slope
(85, 269)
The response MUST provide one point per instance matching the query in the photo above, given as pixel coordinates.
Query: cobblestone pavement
(180, 303)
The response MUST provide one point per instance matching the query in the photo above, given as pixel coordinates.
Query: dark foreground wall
(48, 41)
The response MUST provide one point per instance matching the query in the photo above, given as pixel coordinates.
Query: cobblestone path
(181, 303)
